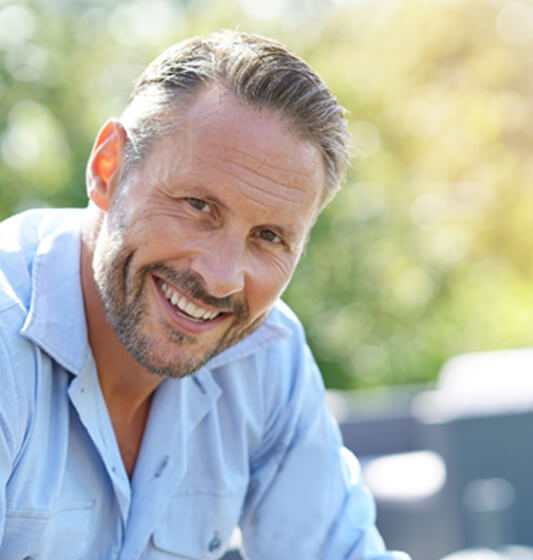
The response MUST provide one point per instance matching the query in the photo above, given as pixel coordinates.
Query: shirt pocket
(47, 535)
(196, 526)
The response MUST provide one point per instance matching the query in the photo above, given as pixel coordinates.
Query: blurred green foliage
(426, 252)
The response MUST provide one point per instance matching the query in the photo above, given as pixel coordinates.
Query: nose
(221, 267)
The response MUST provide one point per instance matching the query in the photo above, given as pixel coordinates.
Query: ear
(105, 163)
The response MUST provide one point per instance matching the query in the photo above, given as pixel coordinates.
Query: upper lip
(183, 303)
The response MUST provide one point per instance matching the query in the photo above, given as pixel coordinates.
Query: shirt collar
(56, 318)
(271, 330)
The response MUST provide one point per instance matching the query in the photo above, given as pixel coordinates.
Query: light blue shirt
(247, 440)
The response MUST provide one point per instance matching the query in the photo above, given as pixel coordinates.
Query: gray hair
(257, 70)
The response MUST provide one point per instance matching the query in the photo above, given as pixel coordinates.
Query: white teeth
(191, 309)
(181, 303)
(186, 306)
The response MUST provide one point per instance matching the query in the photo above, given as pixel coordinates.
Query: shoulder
(20, 238)
(19, 241)
(17, 379)
(290, 361)
(291, 353)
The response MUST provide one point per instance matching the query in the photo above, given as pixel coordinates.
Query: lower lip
(189, 325)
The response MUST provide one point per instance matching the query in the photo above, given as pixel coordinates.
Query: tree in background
(426, 252)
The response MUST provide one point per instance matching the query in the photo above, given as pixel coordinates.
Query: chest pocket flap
(196, 526)
(47, 535)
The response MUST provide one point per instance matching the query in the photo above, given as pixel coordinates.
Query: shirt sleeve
(306, 499)
(11, 425)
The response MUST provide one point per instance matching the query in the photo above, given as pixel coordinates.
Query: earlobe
(105, 163)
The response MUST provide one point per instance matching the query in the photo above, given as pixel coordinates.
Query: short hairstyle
(255, 69)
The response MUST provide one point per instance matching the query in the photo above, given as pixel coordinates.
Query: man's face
(202, 238)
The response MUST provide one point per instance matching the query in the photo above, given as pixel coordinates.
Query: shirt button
(215, 543)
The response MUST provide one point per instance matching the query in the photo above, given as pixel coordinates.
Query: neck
(126, 386)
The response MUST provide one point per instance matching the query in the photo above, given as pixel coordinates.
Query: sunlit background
(427, 251)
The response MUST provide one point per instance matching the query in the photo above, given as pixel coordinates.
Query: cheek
(154, 238)
(266, 288)
(165, 227)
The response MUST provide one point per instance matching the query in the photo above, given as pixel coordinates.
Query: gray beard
(127, 314)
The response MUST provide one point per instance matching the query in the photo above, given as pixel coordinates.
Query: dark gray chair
(480, 421)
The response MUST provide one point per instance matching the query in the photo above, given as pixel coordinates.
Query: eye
(200, 205)
(270, 236)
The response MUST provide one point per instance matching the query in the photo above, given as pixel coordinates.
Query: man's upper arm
(12, 421)
(306, 497)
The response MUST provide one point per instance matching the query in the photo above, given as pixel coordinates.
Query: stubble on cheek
(124, 291)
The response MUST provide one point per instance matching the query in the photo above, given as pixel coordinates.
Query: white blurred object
(476, 554)
(480, 383)
(504, 553)
(405, 476)
(517, 552)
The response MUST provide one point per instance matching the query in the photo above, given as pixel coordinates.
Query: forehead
(242, 147)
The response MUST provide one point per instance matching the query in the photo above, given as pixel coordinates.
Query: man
(155, 391)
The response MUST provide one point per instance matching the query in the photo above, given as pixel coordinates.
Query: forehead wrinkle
(268, 191)
(263, 162)
(297, 190)
(262, 203)
(295, 186)
(294, 179)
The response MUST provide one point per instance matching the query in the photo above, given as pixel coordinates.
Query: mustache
(192, 284)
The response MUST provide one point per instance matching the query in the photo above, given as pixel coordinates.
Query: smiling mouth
(184, 306)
